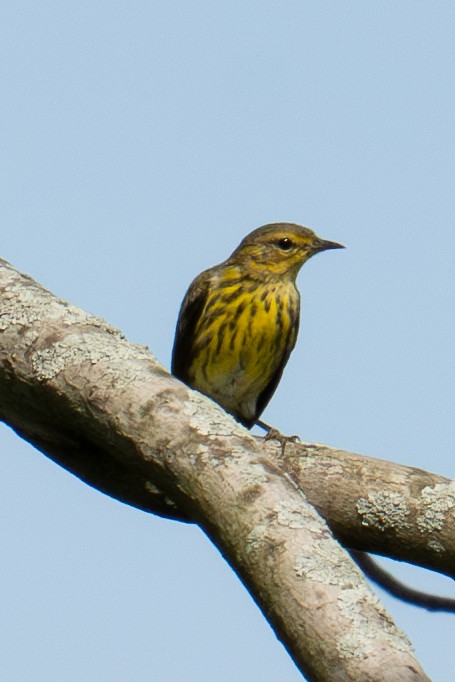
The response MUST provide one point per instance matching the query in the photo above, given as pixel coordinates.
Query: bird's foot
(274, 434)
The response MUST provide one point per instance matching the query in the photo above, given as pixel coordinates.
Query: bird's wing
(190, 312)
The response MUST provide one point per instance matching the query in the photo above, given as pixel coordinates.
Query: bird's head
(280, 249)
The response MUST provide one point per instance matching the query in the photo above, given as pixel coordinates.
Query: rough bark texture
(105, 410)
(378, 506)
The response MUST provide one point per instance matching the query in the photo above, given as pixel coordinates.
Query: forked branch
(105, 410)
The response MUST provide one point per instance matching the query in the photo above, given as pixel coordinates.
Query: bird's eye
(285, 244)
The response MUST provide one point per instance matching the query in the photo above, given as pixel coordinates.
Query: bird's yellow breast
(245, 332)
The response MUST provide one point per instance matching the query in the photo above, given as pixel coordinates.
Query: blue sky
(140, 142)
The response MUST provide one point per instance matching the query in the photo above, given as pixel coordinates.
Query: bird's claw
(274, 434)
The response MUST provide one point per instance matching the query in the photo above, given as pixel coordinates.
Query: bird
(239, 320)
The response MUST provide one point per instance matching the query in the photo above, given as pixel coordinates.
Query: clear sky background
(139, 142)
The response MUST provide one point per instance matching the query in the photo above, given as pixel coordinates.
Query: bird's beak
(324, 245)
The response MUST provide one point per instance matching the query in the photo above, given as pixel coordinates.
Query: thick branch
(96, 404)
(377, 506)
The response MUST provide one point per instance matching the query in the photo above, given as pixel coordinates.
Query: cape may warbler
(239, 320)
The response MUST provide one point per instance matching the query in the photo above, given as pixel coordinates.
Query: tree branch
(384, 579)
(377, 506)
(105, 410)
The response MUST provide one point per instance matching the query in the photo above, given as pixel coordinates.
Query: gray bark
(105, 410)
